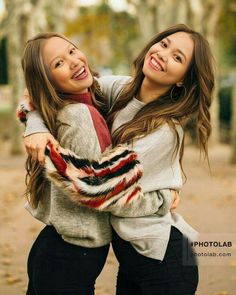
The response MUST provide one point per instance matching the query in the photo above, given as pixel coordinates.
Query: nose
(74, 62)
(162, 56)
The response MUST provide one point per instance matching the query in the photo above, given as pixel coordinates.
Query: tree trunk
(233, 122)
(24, 19)
(16, 82)
(213, 8)
(146, 19)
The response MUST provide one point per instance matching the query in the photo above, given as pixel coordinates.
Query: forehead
(183, 42)
(53, 48)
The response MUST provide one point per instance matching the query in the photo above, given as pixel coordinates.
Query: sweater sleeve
(31, 118)
(93, 181)
(145, 204)
(111, 86)
(34, 124)
(160, 162)
(110, 183)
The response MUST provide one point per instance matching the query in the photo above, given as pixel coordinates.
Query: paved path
(208, 203)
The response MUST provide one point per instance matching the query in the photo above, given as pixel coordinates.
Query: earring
(178, 86)
(185, 90)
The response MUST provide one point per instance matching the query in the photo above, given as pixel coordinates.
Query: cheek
(58, 79)
(82, 57)
(177, 69)
(60, 76)
(182, 72)
(154, 48)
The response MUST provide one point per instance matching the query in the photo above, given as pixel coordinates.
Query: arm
(86, 187)
(121, 196)
(144, 204)
(98, 180)
(36, 135)
(93, 183)
(27, 115)
(111, 86)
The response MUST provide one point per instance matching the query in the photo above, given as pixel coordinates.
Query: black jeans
(56, 267)
(140, 275)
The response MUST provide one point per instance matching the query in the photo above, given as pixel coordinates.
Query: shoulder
(73, 113)
(168, 130)
(113, 81)
(111, 86)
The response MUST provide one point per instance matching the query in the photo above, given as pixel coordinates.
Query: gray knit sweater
(77, 131)
(149, 234)
(77, 225)
(147, 222)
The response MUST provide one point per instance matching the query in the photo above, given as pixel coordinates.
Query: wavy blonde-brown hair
(178, 103)
(48, 102)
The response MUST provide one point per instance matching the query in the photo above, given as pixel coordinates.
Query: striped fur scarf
(23, 109)
(113, 180)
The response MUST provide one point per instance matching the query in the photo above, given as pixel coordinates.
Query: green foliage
(104, 35)
(227, 33)
(6, 110)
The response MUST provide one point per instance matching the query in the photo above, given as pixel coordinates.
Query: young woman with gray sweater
(173, 80)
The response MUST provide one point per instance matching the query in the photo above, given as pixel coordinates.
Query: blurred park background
(111, 33)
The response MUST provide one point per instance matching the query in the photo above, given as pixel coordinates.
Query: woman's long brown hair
(47, 101)
(177, 104)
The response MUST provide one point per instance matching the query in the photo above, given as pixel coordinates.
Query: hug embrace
(105, 163)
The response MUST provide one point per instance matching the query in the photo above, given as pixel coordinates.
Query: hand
(35, 145)
(175, 200)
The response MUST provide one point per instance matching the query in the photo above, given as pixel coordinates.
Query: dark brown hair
(48, 102)
(177, 104)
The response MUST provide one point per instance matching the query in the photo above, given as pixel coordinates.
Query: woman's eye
(178, 58)
(58, 63)
(72, 50)
(163, 43)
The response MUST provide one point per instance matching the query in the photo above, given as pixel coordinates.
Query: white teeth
(79, 73)
(156, 64)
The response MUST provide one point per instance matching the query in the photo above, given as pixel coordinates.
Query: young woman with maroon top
(71, 250)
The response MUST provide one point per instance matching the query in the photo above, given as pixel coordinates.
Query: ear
(179, 84)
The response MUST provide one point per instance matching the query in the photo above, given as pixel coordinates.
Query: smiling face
(167, 61)
(68, 67)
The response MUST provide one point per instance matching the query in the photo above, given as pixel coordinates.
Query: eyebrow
(178, 50)
(59, 55)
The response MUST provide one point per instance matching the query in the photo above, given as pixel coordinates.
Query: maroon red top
(99, 122)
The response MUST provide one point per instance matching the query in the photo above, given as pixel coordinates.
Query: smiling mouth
(154, 64)
(80, 74)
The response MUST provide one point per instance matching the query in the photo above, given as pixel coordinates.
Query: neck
(150, 91)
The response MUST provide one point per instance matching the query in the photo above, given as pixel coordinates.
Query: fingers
(35, 145)
(41, 156)
(37, 153)
(53, 142)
